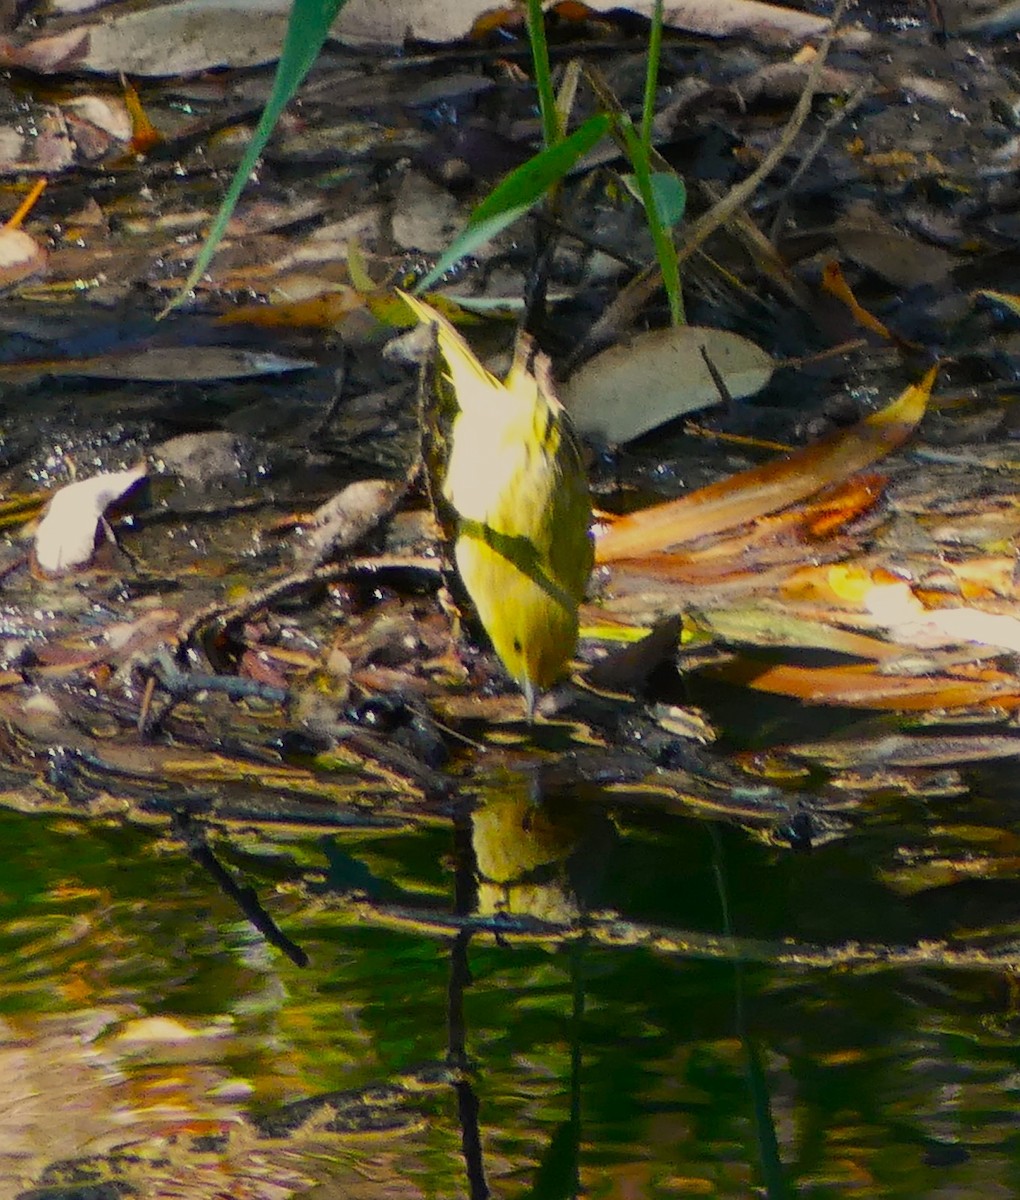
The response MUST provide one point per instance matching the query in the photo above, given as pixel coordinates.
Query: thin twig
(192, 834)
(725, 397)
(610, 930)
(223, 614)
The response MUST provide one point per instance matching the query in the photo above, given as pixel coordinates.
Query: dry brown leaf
(348, 517)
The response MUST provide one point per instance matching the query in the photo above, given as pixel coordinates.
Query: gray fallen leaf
(191, 364)
(873, 242)
(654, 377)
(425, 216)
(986, 17)
(368, 21)
(180, 38)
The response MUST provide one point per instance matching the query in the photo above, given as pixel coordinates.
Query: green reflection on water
(621, 1065)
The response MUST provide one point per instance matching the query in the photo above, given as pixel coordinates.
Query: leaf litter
(210, 620)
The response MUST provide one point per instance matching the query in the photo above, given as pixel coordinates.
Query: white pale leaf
(973, 625)
(893, 604)
(108, 113)
(908, 621)
(897, 607)
(66, 536)
(654, 377)
(21, 257)
(509, 307)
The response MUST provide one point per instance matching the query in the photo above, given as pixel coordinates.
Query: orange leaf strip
(573, 10)
(325, 311)
(144, 135)
(834, 282)
(843, 504)
(866, 687)
(494, 21)
(767, 489)
(26, 206)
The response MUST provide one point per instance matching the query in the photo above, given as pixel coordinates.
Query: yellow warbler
(515, 479)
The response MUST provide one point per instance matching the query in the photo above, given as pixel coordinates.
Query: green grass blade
(517, 192)
(651, 77)
(309, 24)
(662, 239)
(552, 130)
(662, 193)
(668, 192)
(670, 195)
